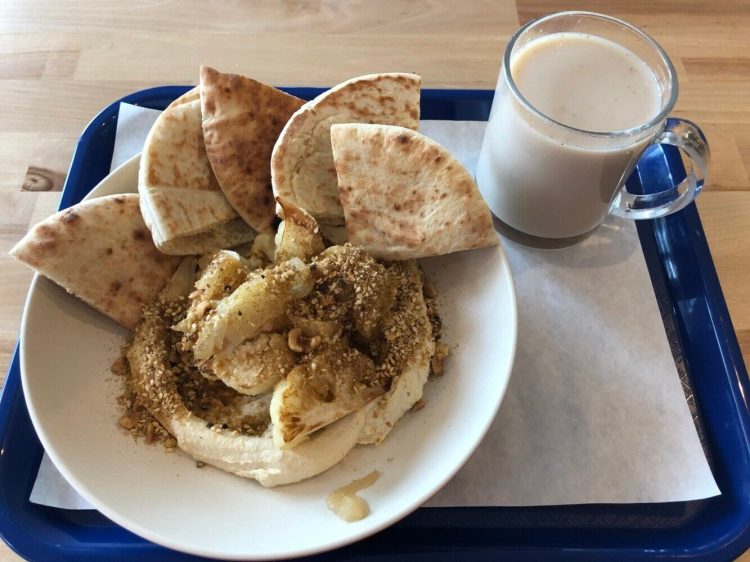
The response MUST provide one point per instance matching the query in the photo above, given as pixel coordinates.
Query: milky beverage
(550, 181)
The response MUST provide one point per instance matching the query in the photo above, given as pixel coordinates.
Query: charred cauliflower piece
(404, 356)
(353, 285)
(333, 383)
(258, 305)
(298, 235)
(223, 274)
(263, 251)
(254, 366)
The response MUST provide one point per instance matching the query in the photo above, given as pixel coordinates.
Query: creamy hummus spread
(276, 371)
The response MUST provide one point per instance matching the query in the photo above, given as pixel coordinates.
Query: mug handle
(688, 137)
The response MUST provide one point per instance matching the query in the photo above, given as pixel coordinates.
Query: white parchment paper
(594, 413)
(133, 125)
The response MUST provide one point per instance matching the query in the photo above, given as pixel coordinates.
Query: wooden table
(60, 62)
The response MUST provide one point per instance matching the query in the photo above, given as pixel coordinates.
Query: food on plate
(90, 250)
(256, 306)
(181, 201)
(242, 119)
(298, 235)
(330, 334)
(390, 342)
(273, 365)
(254, 366)
(213, 423)
(410, 356)
(302, 165)
(272, 348)
(336, 381)
(331, 328)
(405, 196)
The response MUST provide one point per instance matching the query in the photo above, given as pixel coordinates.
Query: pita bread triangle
(302, 164)
(180, 198)
(405, 196)
(242, 119)
(100, 251)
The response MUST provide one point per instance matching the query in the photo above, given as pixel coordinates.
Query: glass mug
(551, 180)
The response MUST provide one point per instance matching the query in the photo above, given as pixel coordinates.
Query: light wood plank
(465, 61)
(720, 213)
(15, 154)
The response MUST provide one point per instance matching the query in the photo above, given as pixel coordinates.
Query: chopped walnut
(436, 364)
(300, 343)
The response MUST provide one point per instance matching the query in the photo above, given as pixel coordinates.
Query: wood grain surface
(62, 61)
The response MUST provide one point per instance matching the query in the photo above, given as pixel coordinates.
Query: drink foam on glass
(579, 98)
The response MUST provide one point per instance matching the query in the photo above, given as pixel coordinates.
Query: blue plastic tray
(706, 353)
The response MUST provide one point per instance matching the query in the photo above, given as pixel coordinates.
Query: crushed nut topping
(363, 317)
(163, 392)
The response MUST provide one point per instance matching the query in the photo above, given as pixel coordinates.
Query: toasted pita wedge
(101, 252)
(242, 119)
(405, 196)
(302, 168)
(181, 202)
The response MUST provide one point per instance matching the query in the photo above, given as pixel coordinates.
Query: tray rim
(730, 543)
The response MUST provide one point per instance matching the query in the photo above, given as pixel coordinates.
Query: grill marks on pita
(242, 119)
(181, 201)
(204, 182)
(302, 167)
(405, 196)
(101, 252)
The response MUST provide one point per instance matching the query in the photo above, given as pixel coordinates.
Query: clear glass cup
(549, 180)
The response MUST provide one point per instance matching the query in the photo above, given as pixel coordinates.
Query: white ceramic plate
(67, 349)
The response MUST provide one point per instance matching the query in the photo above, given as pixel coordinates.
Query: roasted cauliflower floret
(333, 383)
(258, 305)
(223, 274)
(254, 366)
(298, 235)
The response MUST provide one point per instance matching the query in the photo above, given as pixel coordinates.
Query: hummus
(351, 354)
(250, 456)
